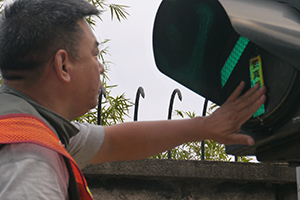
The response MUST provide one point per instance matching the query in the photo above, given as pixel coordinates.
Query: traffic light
(210, 46)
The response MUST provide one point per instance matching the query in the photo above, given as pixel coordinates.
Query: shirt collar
(64, 129)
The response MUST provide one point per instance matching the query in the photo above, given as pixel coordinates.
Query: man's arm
(138, 140)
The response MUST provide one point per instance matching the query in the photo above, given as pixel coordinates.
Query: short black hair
(31, 31)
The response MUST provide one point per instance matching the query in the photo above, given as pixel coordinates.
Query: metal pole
(102, 93)
(140, 92)
(236, 159)
(298, 181)
(176, 91)
(203, 142)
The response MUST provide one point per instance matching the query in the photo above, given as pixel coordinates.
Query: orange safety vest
(26, 128)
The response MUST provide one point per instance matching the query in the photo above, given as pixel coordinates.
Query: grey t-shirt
(30, 171)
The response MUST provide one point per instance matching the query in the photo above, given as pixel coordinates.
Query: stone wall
(189, 180)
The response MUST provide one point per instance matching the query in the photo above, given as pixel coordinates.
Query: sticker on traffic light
(256, 75)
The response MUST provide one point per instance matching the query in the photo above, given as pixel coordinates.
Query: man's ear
(62, 65)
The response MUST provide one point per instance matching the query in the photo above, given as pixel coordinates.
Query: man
(50, 70)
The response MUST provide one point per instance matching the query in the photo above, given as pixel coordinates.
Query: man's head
(32, 31)
(49, 52)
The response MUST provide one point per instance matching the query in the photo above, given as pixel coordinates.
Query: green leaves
(113, 111)
(120, 11)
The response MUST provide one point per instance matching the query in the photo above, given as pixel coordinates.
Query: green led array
(233, 59)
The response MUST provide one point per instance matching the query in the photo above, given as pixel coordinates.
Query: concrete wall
(189, 180)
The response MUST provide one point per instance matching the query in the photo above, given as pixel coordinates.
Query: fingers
(250, 97)
(241, 139)
(251, 91)
(236, 93)
(250, 103)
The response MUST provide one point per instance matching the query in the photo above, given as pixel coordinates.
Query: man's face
(86, 71)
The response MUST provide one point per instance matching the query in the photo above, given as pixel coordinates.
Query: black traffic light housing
(209, 46)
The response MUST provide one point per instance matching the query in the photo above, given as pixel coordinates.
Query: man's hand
(225, 123)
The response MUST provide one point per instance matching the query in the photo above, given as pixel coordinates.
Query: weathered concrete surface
(189, 180)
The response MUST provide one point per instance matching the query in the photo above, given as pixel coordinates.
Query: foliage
(114, 110)
(192, 150)
(115, 10)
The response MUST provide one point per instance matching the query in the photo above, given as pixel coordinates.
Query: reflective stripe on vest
(25, 128)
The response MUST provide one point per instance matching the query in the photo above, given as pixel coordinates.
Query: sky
(131, 52)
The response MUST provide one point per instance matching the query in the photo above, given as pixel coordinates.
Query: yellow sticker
(257, 77)
(256, 71)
